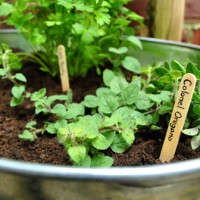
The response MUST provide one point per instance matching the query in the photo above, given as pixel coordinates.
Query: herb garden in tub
(101, 127)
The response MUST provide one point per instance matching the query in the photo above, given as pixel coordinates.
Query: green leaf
(123, 112)
(79, 5)
(196, 97)
(120, 50)
(20, 77)
(90, 101)
(38, 95)
(130, 94)
(51, 129)
(195, 142)
(26, 135)
(102, 16)
(155, 128)
(87, 37)
(62, 136)
(161, 71)
(16, 101)
(131, 64)
(135, 41)
(128, 135)
(86, 162)
(100, 142)
(196, 122)
(102, 90)
(196, 109)
(119, 144)
(74, 110)
(165, 79)
(68, 5)
(108, 76)
(3, 72)
(191, 68)
(39, 107)
(59, 110)
(110, 121)
(17, 91)
(78, 28)
(109, 135)
(164, 96)
(54, 127)
(53, 98)
(135, 17)
(6, 9)
(102, 161)
(175, 74)
(108, 103)
(31, 124)
(140, 118)
(86, 127)
(143, 101)
(165, 108)
(176, 66)
(53, 23)
(118, 84)
(192, 131)
(77, 153)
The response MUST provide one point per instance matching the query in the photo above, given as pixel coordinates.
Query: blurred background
(177, 20)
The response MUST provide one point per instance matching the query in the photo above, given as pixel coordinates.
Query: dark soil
(46, 149)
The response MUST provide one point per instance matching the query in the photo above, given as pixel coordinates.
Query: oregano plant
(115, 114)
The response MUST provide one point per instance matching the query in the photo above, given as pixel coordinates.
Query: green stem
(30, 55)
(114, 128)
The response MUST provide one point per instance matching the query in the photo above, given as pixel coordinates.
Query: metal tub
(30, 181)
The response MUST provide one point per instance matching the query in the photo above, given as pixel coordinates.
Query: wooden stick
(178, 117)
(167, 19)
(177, 20)
(63, 68)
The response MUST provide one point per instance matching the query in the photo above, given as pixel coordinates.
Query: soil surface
(145, 150)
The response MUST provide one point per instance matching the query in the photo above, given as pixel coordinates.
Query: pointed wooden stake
(178, 117)
(63, 68)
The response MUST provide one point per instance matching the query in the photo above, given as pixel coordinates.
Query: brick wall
(191, 32)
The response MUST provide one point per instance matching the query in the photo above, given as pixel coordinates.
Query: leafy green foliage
(115, 113)
(86, 28)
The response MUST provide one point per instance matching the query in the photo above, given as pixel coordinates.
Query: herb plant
(86, 28)
(115, 115)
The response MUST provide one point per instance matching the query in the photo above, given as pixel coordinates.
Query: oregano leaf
(100, 142)
(107, 103)
(131, 64)
(101, 161)
(77, 153)
(20, 77)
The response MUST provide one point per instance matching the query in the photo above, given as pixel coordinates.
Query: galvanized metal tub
(29, 181)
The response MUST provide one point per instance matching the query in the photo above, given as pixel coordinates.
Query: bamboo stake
(167, 19)
(63, 68)
(179, 113)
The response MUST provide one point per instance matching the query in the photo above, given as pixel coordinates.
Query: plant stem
(30, 55)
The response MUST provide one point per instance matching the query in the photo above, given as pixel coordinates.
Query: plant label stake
(178, 117)
(63, 68)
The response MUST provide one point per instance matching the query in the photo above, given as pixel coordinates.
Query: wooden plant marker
(63, 68)
(178, 117)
